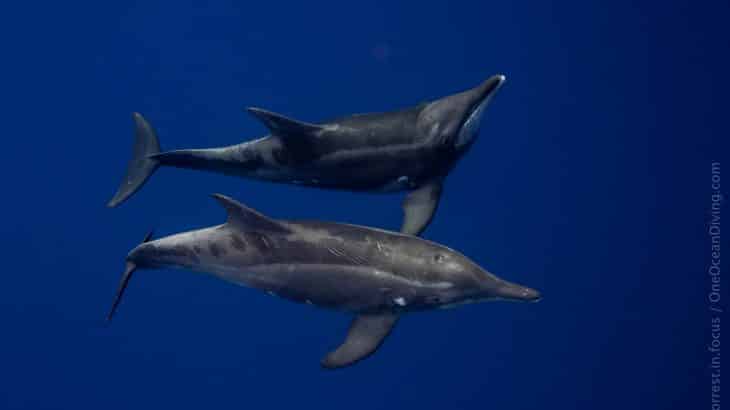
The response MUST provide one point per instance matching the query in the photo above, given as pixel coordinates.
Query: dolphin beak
(480, 97)
(518, 293)
(489, 88)
(474, 103)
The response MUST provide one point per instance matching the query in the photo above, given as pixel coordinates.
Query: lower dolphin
(374, 274)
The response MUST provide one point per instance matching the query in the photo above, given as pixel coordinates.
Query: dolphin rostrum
(374, 274)
(413, 149)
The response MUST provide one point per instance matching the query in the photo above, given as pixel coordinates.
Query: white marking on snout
(267, 245)
(435, 128)
(400, 301)
(470, 128)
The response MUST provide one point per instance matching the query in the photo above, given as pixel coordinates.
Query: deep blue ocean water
(590, 181)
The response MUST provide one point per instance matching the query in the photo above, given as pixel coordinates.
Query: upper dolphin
(412, 149)
(371, 273)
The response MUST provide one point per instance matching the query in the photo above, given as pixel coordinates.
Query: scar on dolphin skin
(258, 240)
(174, 252)
(216, 250)
(238, 243)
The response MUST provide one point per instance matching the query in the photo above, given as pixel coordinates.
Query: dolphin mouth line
(477, 110)
(515, 300)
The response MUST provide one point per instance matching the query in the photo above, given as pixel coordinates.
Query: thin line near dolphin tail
(126, 276)
(142, 165)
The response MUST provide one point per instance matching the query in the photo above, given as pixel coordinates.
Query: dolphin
(373, 274)
(409, 150)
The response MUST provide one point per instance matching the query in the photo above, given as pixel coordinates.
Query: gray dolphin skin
(374, 274)
(409, 150)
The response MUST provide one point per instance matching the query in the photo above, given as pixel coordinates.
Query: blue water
(590, 181)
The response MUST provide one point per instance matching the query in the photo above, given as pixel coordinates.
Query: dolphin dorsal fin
(245, 218)
(285, 127)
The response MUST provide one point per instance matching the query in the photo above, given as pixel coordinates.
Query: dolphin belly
(358, 289)
(378, 169)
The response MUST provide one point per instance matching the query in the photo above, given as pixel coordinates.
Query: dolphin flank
(409, 150)
(373, 274)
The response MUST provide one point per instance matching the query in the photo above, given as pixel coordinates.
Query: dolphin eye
(280, 156)
(438, 258)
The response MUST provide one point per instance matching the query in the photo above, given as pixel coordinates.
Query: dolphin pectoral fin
(282, 126)
(366, 334)
(419, 207)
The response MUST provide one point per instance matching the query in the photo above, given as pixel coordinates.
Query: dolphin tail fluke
(126, 276)
(142, 165)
